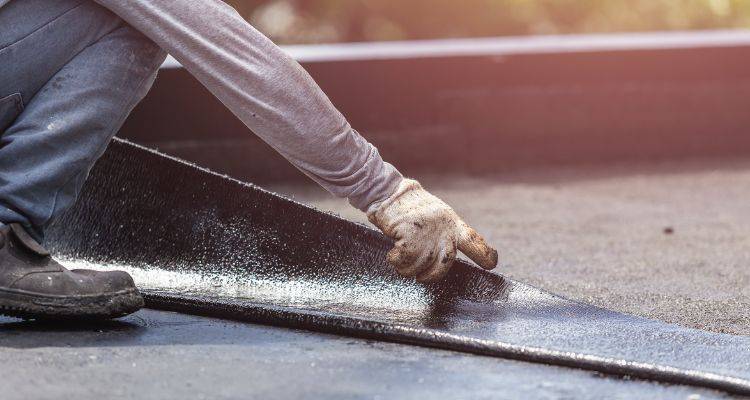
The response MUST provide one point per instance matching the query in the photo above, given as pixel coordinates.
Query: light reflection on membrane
(386, 296)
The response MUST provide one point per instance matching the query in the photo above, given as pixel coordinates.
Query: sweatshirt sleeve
(267, 90)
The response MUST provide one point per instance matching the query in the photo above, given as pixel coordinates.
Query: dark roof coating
(278, 262)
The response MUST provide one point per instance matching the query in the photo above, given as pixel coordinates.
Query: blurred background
(534, 91)
(317, 21)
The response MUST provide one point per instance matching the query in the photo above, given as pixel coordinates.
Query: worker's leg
(71, 73)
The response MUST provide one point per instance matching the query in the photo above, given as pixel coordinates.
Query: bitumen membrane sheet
(666, 240)
(201, 243)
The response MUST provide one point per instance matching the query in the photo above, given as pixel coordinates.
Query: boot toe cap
(111, 281)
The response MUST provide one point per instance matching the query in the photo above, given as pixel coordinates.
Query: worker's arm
(266, 89)
(276, 98)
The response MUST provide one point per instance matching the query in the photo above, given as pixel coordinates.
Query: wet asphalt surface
(156, 354)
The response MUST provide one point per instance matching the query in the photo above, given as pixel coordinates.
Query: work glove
(427, 233)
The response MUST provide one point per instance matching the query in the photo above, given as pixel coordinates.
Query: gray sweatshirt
(266, 89)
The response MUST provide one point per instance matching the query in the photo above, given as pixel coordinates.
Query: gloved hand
(427, 232)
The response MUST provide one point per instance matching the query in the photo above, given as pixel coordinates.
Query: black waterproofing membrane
(201, 243)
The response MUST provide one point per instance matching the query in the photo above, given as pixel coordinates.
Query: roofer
(72, 70)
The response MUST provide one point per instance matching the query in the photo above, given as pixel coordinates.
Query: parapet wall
(488, 105)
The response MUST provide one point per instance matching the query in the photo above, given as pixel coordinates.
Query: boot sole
(26, 305)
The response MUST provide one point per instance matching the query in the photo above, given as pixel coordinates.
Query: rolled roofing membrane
(202, 243)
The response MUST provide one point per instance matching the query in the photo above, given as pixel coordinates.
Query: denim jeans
(70, 73)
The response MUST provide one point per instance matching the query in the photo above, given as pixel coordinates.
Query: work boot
(34, 286)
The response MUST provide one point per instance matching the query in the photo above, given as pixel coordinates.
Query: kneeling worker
(72, 70)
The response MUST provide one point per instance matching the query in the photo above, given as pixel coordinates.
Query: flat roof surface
(156, 354)
(592, 233)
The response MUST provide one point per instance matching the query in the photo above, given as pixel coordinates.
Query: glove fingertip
(478, 251)
(491, 261)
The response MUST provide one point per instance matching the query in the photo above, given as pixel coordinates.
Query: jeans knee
(141, 50)
(145, 53)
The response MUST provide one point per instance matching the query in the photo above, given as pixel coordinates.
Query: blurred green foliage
(310, 21)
